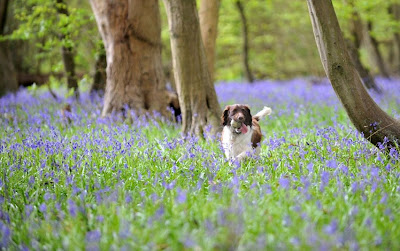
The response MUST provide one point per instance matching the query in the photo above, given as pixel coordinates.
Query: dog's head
(236, 116)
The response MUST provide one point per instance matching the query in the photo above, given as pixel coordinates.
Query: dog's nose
(240, 118)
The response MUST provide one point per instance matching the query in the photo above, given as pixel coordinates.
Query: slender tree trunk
(197, 97)
(208, 16)
(247, 71)
(131, 32)
(395, 11)
(100, 76)
(68, 54)
(8, 76)
(369, 119)
(353, 47)
(366, 77)
(380, 63)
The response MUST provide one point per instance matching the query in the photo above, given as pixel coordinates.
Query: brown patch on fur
(233, 111)
(257, 136)
(65, 111)
(240, 113)
(224, 116)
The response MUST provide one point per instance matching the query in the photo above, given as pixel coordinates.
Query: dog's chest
(234, 144)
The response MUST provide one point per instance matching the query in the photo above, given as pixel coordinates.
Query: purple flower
(124, 231)
(189, 242)
(383, 199)
(5, 234)
(28, 210)
(128, 198)
(72, 208)
(332, 227)
(181, 197)
(93, 236)
(331, 164)
(287, 221)
(344, 169)
(31, 180)
(160, 212)
(100, 218)
(324, 180)
(354, 187)
(310, 167)
(284, 182)
(43, 208)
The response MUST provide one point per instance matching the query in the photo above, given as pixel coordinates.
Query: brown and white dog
(241, 135)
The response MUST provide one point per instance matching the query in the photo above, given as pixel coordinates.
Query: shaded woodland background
(37, 34)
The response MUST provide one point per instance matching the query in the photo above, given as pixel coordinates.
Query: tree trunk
(68, 54)
(377, 53)
(100, 76)
(369, 119)
(353, 47)
(197, 97)
(366, 77)
(247, 71)
(395, 11)
(208, 16)
(131, 32)
(8, 76)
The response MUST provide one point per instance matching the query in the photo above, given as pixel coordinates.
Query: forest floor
(75, 180)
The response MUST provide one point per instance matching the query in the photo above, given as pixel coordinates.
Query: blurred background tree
(280, 39)
(52, 39)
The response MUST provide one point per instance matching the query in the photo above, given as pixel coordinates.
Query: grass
(105, 184)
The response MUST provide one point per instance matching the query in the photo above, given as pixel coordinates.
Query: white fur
(238, 146)
(264, 112)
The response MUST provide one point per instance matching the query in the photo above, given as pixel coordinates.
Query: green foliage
(42, 24)
(281, 38)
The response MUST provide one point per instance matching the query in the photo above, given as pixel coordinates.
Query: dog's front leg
(243, 156)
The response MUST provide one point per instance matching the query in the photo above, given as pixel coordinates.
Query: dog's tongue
(243, 128)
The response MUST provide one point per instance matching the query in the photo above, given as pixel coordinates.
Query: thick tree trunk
(100, 76)
(8, 76)
(131, 32)
(68, 54)
(3, 15)
(208, 16)
(376, 53)
(247, 71)
(197, 97)
(366, 115)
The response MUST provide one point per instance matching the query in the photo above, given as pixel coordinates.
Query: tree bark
(197, 96)
(247, 71)
(131, 33)
(380, 63)
(369, 119)
(366, 77)
(395, 12)
(8, 76)
(100, 76)
(353, 47)
(208, 16)
(68, 54)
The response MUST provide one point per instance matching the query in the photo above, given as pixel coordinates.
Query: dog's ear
(225, 114)
(248, 117)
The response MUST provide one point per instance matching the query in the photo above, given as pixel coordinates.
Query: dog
(241, 134)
